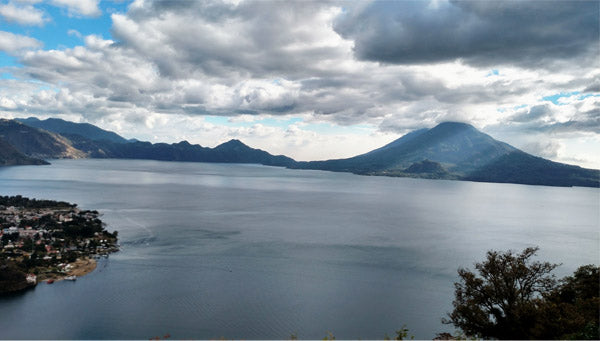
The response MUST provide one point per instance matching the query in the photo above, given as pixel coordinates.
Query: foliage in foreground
(513, 297)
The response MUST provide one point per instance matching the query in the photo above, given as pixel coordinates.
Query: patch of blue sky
(217, 120)
(57, 32)
(107, 6)
(321, 128)
(516, 107)
(554, 98)
(277, 122)
(583, 96)
(8, 60)
(333, 129)
(6, 75)
(46, 87)
(493, 72)
(268, 121)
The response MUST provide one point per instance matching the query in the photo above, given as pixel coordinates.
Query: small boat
(50, 281)
(71, 278)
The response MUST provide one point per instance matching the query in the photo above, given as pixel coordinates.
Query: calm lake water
(248, 251)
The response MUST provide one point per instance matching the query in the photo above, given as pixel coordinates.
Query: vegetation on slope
(37, 143)
(521, 168)
(9, 156)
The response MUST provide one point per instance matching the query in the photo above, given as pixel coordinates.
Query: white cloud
(22, 15)
(15, 43)
(7, 103)
(296, 141)
(172, 63)
(75, 33)
(88, 8)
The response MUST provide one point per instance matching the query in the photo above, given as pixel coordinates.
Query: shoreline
(81, 267)
(47, 241)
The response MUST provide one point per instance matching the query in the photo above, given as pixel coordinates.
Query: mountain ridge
(37, 143)
(233, 151)
(458, 146)
(450, 150)
(60, 126)
(458, 151)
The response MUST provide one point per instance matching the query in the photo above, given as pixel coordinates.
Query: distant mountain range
(56, 139)
(450, 150)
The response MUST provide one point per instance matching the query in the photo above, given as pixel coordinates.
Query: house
(25, 233)
(10, 230)
(31, 278)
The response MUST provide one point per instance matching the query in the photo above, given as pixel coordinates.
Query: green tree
(504, 299)
(572, 310)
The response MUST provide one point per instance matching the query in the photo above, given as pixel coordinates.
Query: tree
(504, 299)
(572, 310)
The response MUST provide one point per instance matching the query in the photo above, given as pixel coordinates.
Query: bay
(249, 251)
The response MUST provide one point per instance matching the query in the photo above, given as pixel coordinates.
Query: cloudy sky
(312, 80)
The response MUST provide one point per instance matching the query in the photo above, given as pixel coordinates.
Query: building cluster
(51, 237)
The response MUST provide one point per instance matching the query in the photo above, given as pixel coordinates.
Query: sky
(309, 79)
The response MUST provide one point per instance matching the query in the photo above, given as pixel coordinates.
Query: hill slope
(459, 147)
(522, 168)
(86, 140)
(9, 156)
(233, 151)
(86, 130)
(37, 143)
(236, 151)
(453, 150)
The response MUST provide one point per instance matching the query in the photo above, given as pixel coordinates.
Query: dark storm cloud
(524, 33)
(543, 119)
(590, 124)
(593, 87)
(534, 114)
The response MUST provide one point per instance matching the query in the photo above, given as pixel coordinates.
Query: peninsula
(45, 240)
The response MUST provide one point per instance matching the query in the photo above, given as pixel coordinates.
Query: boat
(71, 278)
(50, 281)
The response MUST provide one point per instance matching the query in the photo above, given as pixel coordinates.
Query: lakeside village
(45, 240)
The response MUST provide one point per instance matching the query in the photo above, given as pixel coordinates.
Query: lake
(249, 251)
